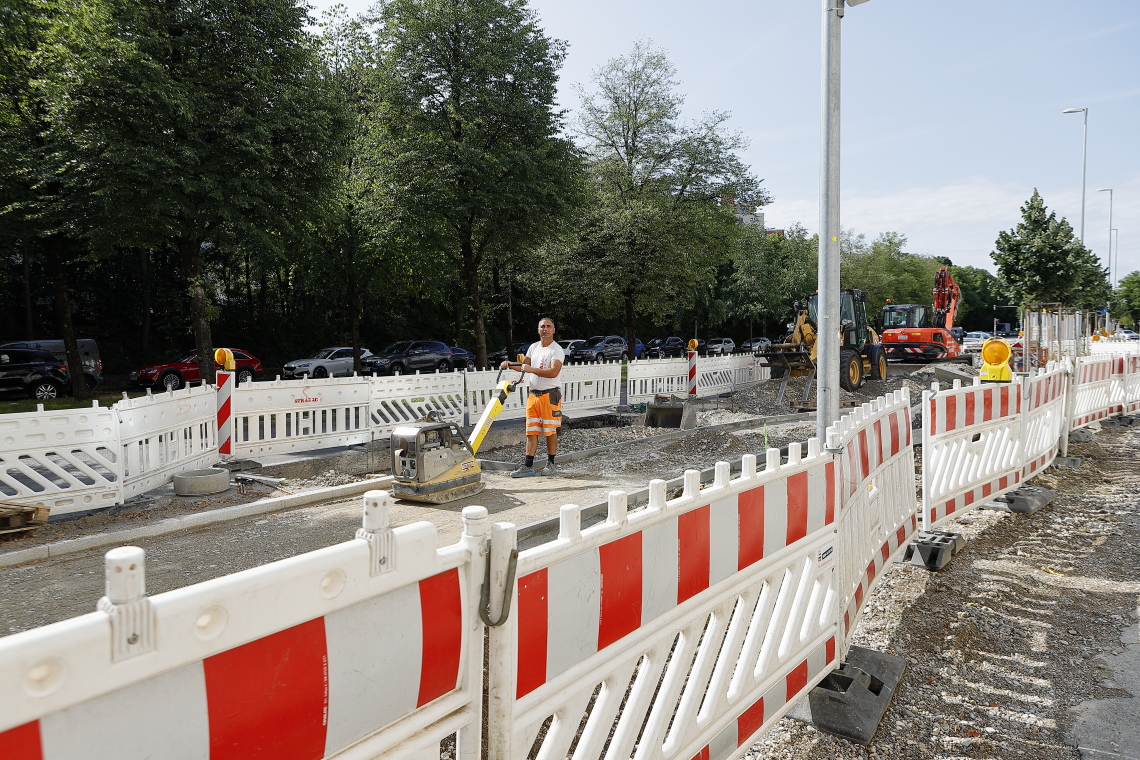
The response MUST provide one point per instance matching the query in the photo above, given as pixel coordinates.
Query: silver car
(974, 340)
(328, 362)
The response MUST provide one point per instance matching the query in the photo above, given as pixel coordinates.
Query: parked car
(1128, 334)
(497, 358)
(600, 348)
(639, 349)
(721, 346)
(328, 362)
(754, 346)
(462, 359)
(183, 370)
(570, 345)
(35, 373)
(409, 356)
(88, 354)
(973, 341)
(661, 348)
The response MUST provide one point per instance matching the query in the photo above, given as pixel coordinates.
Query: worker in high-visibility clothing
(544, 403)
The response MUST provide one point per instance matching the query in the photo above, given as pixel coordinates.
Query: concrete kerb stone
(173, 524)
(491, 464)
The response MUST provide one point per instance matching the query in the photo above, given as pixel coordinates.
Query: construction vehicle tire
(850, 371)
(878, 358)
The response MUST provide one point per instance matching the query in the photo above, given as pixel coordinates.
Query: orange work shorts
(544, 412)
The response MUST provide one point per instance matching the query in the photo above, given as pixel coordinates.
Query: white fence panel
(398, 400)
(68, 459)
(715, 374)
(164, 434)
(1044, 423)
(1113, 346)
(300, 415)
(481, 389)
(368, 647)
(725, 597)
(590, 386)
(878, 509)
(1126, 384)
(645, 378)
(748, 371)
(1091, 390)
(971, 446)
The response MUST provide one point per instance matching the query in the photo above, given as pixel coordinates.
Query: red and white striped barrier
(1126, 384)
(225, 390)
(1044, 427)
(374, 644)
(692, 374)
(971, 446)
(1092, 390)
(878, 511)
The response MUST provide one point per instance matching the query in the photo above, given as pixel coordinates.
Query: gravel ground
(1021, 627)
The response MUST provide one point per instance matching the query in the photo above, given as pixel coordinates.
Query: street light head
(855, 2)
(1074, 110)
(1105, 190)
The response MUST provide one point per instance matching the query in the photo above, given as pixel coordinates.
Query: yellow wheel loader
(433, 463)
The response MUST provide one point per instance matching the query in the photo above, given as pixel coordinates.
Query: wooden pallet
(17, 517)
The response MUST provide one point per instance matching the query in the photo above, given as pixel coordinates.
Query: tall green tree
(979, 297)
(1042, 261)
(772, 272)
(886, 271)
(1126, 300)
(465, 137)
(663, 192)
(194, 116)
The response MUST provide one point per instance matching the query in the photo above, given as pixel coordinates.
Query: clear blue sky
(951, 110)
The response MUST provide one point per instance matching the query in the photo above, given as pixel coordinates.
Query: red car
(183, 369)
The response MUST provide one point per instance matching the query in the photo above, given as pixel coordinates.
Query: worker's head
(546, 327)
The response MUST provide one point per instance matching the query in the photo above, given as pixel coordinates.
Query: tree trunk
(630, 325)
(262, 294)
(144, 260)
(354, 314)
(471, 283)
(190, 255)
(502, 299)
(510, 310)
(29, 314)
(248, 289)
(53, 253)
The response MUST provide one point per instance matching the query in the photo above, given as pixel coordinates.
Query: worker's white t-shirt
(544, 358)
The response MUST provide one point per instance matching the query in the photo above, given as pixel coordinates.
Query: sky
(951, 111)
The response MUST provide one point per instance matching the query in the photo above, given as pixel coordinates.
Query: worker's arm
(525, 367)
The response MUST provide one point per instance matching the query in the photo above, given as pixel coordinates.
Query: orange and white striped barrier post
(693, 368)
(225, 385)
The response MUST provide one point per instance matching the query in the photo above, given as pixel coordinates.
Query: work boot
(524, 471)
(549, 469)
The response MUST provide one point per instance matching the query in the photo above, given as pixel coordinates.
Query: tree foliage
(979, 297)
(772, 272)
(1126, 300)
(1041, 261)
(886, 271)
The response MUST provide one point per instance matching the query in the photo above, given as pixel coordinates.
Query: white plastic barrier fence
(407, 398)
(1126, 384)
(366, 649)
(1113, 346)
(878, 508)
(1091, 390)
(68, 459)
(164, 434)
(646, 378)
(300, 415)
(971, 452)
(584, 386)
(715, 375)
(716, 611)
(1044, 425)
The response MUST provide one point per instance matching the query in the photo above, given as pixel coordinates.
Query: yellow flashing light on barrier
(996, 354)
(693, 344)
(225, 357)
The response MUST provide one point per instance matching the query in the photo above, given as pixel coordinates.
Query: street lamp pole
(1084, 164)
(827, 311)
(1111, 268)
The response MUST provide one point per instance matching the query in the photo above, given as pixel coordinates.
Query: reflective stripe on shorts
(542, 417)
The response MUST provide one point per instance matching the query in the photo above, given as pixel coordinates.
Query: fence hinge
(132, 614)
(381, 542)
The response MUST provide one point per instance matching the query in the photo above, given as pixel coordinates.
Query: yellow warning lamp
(693, 344)
(888, 302)
(996, 354)
(225, 357)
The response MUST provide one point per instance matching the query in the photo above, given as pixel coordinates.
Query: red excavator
(913, 332)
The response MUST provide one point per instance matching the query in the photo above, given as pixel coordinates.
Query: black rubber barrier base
(850, 702)
(1068, 463)
(933, 549)
(1081, 436)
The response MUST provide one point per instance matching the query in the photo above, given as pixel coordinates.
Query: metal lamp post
(1084, 164)
(827, 312)
(1111, 268)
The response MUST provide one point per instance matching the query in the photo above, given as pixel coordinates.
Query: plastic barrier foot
(1111, 422)
(1081, 436)
(850, 701)
(1068, 463)
(933, 549)
(1029, 499)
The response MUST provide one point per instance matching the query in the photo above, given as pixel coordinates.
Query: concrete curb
(172, 524)
(491, 464)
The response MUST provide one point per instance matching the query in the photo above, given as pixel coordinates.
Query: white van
(88, 353)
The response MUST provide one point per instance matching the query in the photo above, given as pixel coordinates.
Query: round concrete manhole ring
(201, 482)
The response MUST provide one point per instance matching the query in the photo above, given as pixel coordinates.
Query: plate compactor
(433, 463)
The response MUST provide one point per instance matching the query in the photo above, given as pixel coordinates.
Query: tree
(465, 140)
(885, 271)
(772, 272)
(1041, 261)
(192, 117)
(661, 214)
(979, 297)
(1126, 299)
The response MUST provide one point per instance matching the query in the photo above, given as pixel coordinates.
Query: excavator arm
(947, 296)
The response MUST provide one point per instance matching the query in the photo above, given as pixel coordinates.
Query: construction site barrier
(369, 648)
(647, 378)
(1091, 390)
(584, 386)
(1126, 384)
(164, 434)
